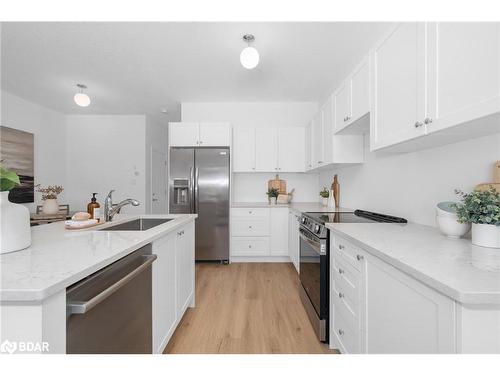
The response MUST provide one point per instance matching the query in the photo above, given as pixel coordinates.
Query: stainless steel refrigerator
(199, 183)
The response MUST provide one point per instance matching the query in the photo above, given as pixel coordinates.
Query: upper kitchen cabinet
(398, 82)
(266, 150)
(352, 101)
(291, 150)
(194, 134)
(431, 83)
(243, 149)
(308, 148)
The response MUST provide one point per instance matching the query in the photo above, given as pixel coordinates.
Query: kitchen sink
(137, 225)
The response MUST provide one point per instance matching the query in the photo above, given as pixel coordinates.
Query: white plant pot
(324, 201)
(50, 206)
(486, 235)
(15, 225)
(272, 200)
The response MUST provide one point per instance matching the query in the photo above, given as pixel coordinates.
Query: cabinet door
(360, 93)
(308, 147)
(317, 141)
(244, 150)
(327, 130)
(279, 231)
(183, 134)
(296, 242)
(184, 248)
(291, 149)
(405, 316)
(266, 149)
(464, 73)
(215, 134)
(342, 106)
(164, 292)
(398, 83)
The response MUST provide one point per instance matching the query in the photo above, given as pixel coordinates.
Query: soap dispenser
(94, 208)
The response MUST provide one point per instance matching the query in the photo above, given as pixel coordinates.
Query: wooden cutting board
(277, 184)
(496, 179)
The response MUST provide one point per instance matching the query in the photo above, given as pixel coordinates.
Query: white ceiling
(138, 68)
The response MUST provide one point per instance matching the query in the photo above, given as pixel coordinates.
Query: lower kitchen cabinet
(293, 239)
(173, 283)
(279, 231)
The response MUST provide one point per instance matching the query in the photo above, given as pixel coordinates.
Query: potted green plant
(272, 195)
(15, 218)
(482, 209)
(324, 194)
(49, 197)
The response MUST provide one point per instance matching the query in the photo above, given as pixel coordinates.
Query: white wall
(49, 128)
(104, 153)
(251, 187)
(410, 185)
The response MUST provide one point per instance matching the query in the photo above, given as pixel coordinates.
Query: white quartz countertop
(58, 257)
(298, 207)
(466, 273)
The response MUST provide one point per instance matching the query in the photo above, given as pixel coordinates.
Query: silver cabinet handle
(320, 162)
(83, 307)
(418, 124)
(249, 227)
(341, 332)
(341, 271)
(341, 247)
(253, 168)
(341, 295)
(250, 212)
(427, 121)
(360, 257)
(249, 246)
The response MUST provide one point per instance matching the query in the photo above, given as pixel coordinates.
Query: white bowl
(445, 209)
(450, 227)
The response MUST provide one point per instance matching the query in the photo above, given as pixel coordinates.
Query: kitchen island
(33, 281)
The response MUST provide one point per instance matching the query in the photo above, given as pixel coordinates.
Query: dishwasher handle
(83, 307)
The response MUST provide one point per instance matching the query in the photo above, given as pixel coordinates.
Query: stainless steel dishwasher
(110, 310)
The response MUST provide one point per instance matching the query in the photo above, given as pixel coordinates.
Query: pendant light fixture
(249, 57)
(81, 98)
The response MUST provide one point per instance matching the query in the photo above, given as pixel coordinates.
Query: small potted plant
(49, 198)
(325, 194)
(15, 230)
(482, 209)
(272, 195)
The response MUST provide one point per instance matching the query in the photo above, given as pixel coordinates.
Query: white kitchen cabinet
(244, 149)
(342, 100)
(398, 86)
(184, 249)
(183, 134)
(291, 150)
(279, 231)
(327, 115)
(266, 149)
(194, 134)
(164, 292)
(317, 139)
(293, 239)
(308, 148)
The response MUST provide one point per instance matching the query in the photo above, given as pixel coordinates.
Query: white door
(360, 92)
(343, 105)
(244, 150)
(164, 292)
(266, 149)
(215, 134)
(308, 147)
(327, 130)
(158, 182)
(464, 72)
(398, 84)
(291, 149)
(279, 231)
(183, 134)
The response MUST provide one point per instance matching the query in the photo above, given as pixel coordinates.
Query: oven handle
(314, 244)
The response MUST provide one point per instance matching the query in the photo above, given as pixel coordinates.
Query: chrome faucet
(111, 209)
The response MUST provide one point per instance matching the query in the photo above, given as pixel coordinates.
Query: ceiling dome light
(80, 98)
(249, 57)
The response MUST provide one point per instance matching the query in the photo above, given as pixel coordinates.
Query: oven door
(314, 279)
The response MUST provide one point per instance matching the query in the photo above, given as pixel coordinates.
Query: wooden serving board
(496, 180)
(277, 184)
(84, 226)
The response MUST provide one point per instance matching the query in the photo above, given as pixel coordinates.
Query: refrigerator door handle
(196, 175)
(191, 189)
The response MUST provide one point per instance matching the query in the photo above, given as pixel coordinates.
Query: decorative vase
(486, 235)
(272, 200)
(50, 206)
(331, 200)
(324, 201)
(15, 219)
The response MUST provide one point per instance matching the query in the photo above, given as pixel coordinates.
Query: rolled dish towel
(79, 223)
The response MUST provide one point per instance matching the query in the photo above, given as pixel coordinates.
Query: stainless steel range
(314, 260)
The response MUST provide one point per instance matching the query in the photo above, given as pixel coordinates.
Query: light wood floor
(246, 308)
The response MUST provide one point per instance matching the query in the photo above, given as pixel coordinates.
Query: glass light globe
(249, 57)
(82, 99)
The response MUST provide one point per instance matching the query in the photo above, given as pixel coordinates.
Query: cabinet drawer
(250, 212)
(347, 334)
(347, 280)
(347, 251)
(250, 227)
(344, 306)
(250, 246)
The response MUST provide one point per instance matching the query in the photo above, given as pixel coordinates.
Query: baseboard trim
(261, 259)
